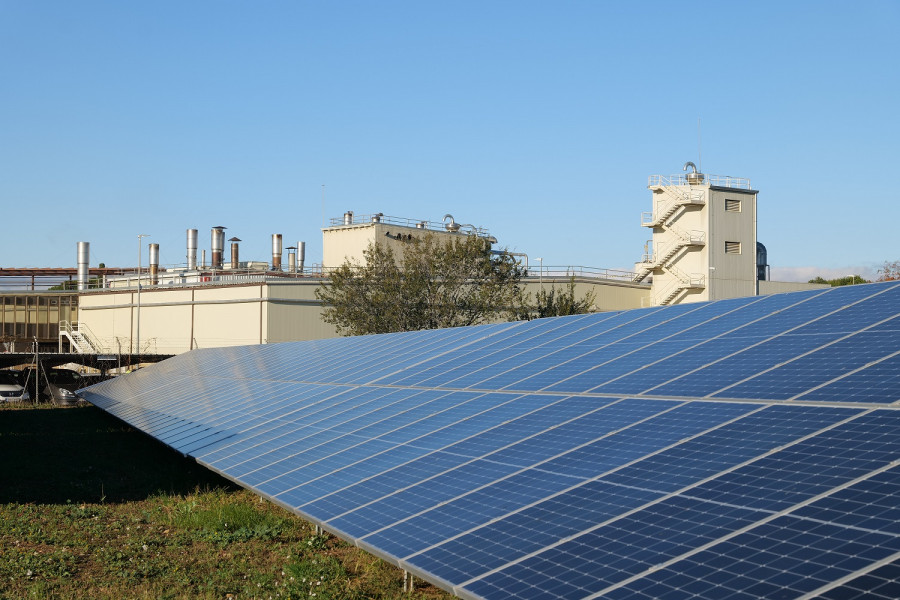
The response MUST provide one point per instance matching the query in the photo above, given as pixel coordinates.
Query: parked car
(11, 389)
(56, 385)
(61, 384)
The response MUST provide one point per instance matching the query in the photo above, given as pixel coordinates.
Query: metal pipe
(217, 238)
(203, 259)
(235, 258)
(292, 259)
(348, 217)
(84, 254)
(192, 249)
(276, 251)
(301, 256)
(154, 264)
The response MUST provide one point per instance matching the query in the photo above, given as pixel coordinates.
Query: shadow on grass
(82, 454)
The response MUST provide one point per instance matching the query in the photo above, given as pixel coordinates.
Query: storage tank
(762, 262)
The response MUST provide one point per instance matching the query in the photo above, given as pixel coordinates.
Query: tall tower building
(704, 238)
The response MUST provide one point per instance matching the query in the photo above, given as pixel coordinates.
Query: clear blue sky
(537, 120)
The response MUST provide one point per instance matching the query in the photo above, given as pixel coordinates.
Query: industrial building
(703, 247)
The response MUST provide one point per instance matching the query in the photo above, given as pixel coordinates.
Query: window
(732, 247)
(732, 205)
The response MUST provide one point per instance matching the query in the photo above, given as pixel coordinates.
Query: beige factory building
(703, 247)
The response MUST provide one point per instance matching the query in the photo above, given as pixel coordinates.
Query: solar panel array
(744, 448)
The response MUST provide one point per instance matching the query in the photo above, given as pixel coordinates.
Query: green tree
(554, 303)
(848, 280)
(434, 284)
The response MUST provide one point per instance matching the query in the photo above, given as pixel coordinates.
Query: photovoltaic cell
(746, 448)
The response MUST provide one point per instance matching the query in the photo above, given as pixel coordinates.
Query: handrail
(580, 271)
(401, 221)
(713, 180)
(668, 205)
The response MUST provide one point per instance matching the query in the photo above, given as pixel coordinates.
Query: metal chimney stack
(276, 251)
(192, 249)
(84, 256)
(292, 259)
(235, 259)
(154, 264)
(217, 236)
(301, 255)
(203, 259)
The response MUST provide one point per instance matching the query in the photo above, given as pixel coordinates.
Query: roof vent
(452, 225)
(694, 177)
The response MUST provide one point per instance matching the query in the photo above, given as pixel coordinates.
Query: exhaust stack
(217, 236)
(276, 251)
(154, 264)
(84, 255)
(292, 259)
(301, 255)
(192, 249)
(235, 259)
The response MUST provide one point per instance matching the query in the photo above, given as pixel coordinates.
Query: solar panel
(745, 448)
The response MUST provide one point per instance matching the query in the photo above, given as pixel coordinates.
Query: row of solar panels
(566, 458)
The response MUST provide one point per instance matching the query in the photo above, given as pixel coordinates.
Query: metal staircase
(672, 195)
(80, 339)
(660, 259)
(682, 282)
(677, 198)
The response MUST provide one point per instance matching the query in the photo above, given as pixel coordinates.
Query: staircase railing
(80, 337)
(682, 281)
(676, 198)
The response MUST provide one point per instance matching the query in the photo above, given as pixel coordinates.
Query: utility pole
(137, 344)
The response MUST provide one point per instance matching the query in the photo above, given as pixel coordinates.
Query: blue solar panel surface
(746, 448)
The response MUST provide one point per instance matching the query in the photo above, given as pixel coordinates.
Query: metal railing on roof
(581, 272)
(354, 219)
(727, 181)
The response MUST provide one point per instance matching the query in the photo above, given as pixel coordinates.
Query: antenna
(699, 146)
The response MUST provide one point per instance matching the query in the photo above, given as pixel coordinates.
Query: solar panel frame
(423, 448)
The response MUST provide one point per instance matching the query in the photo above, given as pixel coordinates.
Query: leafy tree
(554, 303)
(71, 284)
(848, 280)
(435, 283)
(890, 271)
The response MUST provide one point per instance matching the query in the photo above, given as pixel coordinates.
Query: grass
(90, 508)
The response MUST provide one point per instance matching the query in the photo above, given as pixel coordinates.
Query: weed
(226, 521)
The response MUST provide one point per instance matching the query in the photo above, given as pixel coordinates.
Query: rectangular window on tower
(732, 247)
(732, 205)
